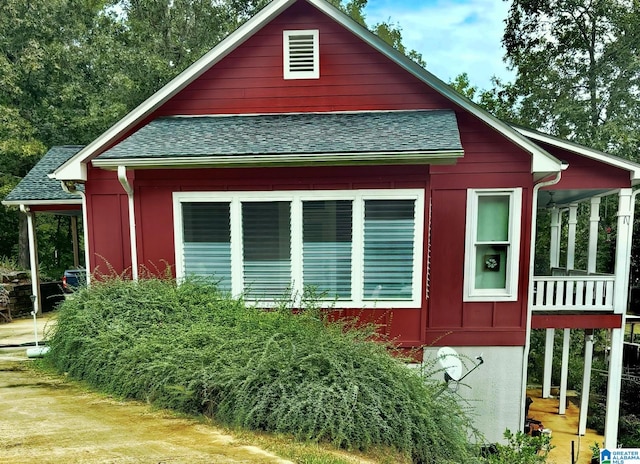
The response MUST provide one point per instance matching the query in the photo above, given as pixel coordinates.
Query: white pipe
(122, 177)
(532, 251)
(33, 259)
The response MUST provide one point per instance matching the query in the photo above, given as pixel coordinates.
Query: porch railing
(587, 292)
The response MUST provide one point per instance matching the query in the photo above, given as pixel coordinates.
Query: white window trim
(510, 292)
(296, 198)
(315, 73)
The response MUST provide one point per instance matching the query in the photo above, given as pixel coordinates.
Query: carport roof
(36, 188)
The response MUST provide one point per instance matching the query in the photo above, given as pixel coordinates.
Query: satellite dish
(450, 362)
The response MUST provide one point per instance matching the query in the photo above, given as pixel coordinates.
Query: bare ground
(44, 419)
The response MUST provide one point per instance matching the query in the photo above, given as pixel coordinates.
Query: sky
(453, 36)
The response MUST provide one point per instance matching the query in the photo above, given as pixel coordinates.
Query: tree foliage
(577, 70)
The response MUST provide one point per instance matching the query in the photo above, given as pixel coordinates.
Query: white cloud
(453, 36)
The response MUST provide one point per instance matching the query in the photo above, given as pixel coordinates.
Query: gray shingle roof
(282, 134)
(37, 186)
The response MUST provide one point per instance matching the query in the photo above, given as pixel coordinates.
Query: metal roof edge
(417, 157)
(69, 201)
(632, 167)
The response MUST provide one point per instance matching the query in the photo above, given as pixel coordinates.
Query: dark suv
(72, 279)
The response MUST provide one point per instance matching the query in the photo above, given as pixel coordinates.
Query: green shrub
(521, 449)
(195, 350)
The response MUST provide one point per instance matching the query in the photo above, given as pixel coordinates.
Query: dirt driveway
(46, 420)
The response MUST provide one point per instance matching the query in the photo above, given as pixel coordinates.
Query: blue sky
(454, 36)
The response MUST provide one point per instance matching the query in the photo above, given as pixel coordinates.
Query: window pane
(326, 248)
(493, 218)
(491, 266)
(266, 241)
(207, 241)
(388, 249)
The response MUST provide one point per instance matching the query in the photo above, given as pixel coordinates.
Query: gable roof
(75, 168)
(632, 167)
(37, 188)
(300, 138)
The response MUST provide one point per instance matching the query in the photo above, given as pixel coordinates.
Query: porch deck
(564, 429)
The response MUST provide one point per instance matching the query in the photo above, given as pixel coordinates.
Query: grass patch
(195, 350)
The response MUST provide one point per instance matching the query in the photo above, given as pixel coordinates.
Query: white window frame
(296, 198)
(313, 74)
(510, 292)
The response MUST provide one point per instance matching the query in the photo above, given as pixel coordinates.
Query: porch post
(594, 223)
(548, 363)
(33, 260)
(564, 373)
(74, 242)
(586, 382)
(623, 258)
(571, 236)
(554, 244)
(554, 261)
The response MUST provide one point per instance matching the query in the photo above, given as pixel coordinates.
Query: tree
(577, 72)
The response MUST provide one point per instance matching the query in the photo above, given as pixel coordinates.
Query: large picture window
(356, 247)
(492, 245)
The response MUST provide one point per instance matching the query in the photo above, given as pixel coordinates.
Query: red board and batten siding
(353, 77)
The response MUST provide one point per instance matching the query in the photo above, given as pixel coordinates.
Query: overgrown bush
(193, 349)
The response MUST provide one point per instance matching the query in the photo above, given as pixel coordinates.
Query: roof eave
(632, 168)
(34, 202)
(298, 159)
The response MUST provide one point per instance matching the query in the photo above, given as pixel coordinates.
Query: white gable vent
(301, 56)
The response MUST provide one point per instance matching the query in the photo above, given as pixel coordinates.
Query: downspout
(33, 261)
(122, 177)
(532, 251)
(70, 187)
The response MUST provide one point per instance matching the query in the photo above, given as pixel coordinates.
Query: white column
(571, 236)
(564, 374)
(623, 258)
(548, 363)
(586, 382)
(33, 260)
(554, 244)
(594, 223)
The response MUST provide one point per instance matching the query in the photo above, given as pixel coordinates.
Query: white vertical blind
(327, 243)
(207, 241)
(266, 241)
(389, 231)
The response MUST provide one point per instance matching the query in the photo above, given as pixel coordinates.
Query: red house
(304, 151)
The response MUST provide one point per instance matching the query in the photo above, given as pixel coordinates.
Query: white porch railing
(573, 293)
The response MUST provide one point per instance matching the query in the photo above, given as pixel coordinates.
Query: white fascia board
(633, 168)
(333, 159)
(542, 161)
(42, 202)
(71, 169)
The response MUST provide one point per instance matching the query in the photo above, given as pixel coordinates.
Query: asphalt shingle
(275, 134)
(37, 186)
